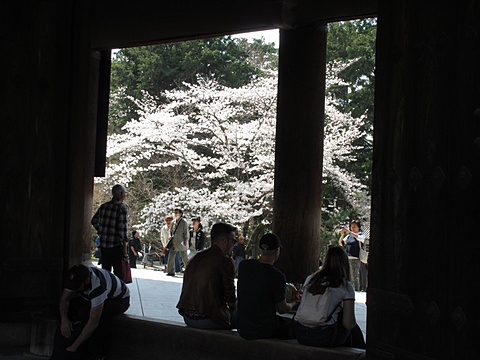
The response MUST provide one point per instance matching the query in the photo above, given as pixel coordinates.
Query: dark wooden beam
(123, 23)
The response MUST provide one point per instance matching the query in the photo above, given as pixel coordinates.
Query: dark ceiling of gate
(123, 23)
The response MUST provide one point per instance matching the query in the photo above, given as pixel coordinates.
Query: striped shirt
(110, 221)
(104, 285)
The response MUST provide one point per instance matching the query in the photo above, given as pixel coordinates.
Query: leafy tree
(157, 68)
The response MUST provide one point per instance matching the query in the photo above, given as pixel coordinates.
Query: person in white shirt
(165, 238)
(326, 315)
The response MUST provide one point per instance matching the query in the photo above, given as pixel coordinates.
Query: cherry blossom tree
(215, 145)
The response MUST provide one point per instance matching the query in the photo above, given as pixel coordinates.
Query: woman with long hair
(326, 315)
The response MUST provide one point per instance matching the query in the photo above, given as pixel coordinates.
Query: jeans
(178, 267)
(171, 260)
(206, 323)
(238, 260)
(321, 336)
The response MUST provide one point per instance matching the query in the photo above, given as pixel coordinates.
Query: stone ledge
(145, 338)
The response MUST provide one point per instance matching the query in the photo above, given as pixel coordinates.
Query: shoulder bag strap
(335, 326)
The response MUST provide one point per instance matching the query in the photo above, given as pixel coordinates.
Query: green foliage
(156, 68)
(349, 40)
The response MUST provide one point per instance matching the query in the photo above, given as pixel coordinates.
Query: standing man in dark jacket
(134, 247)
(110, 221)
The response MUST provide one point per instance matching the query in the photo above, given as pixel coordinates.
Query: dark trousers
(98, 343)
(329, 336)
(363, 276)
(112, 258)
(133, 260)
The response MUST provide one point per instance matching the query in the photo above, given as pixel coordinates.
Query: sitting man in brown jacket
(208, 293)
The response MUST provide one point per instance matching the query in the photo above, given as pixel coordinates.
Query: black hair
(356, 222)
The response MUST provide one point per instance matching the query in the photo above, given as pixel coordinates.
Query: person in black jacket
(239, 252)
(133, 249)
(197, 237)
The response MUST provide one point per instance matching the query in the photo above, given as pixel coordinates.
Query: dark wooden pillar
(426, 183)
(299, 148)
(82, 130)
(34, 157)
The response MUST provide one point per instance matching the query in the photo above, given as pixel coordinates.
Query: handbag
(126, 272)
(363, 255)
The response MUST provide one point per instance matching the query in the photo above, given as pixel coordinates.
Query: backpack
(315, 305)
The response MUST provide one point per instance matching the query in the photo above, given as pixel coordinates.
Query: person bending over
(83, 328)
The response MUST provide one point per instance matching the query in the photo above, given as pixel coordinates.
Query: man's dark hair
(179, 210)
(221, 229)
(76, 276)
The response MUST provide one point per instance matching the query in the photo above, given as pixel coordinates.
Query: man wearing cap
(110, 221)
(102, 295)
(208, 296)
(261, 293)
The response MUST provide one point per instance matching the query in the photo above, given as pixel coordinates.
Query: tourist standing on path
(239, 252)
(326, 315)
(148, 254)
(179, 241)
(165, 237)
(208, 296)
(352, 247)
(363, 271)
(197, 237)
(261, 294)
(110, 221)
(134, 247)
(353, 240)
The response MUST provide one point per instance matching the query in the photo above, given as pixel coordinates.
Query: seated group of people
(325, 314)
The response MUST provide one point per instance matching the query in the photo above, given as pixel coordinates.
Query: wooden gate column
(299, 148)
(423, 262)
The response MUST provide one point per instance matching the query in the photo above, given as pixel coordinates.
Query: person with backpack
(326, 315)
